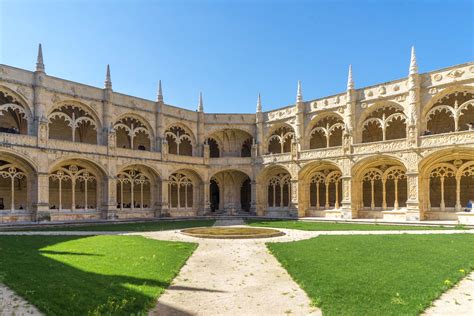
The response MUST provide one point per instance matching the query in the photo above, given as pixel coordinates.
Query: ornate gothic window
(13, 115)
(280, 140)
(388, 122)
(180, 191)
(452, 113)
(179, 141)
(133, 190)
(451, 185)
(384, 187)
(72, 123)
(325, 189)
(13, 187)
(279, 191)
(72, 187)
(327, 133)
(133, 134)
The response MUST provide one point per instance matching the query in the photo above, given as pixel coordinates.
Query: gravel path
(12, 304)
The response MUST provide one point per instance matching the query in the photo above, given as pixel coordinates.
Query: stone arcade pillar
(294, 199)
(107, 127)
(207, 203)
(109, 209)
(165, 210)
(348, 210)
(42, 212)
(40, 120)
(413, 209)
(253, 197)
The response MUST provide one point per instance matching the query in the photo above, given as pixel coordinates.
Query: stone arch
(233, 192)
(185, 192)
(133, 131)
(451, 110)
(280, 138)
(76, 185)
(274, 191)
(215, 147)
(74, 121)
(15, 113)
(320, 187)
(379, 184)
(382, 121)
(447, 183)
(231, 140)
(138, 190)
(180, 139)
(18, 179)
(325, 130)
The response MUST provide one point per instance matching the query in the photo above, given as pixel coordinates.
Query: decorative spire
(259, 103)
(299, 93)
(200, 104)
(413, 65)
(350, 81)
(108, 80)
(39, 59)
(159, 97)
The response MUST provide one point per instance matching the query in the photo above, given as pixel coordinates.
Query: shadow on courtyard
(59, 288)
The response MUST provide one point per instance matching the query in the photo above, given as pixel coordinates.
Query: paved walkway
(457, 301)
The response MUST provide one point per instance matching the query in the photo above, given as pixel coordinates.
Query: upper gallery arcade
(400, 150)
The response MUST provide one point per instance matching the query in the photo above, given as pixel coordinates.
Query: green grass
(328, 226)
(136, 227)
(378, 274)
(90, 275)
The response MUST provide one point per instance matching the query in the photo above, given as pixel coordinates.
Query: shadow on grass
(56, 287)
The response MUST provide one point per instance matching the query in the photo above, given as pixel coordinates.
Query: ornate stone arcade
(400, 150)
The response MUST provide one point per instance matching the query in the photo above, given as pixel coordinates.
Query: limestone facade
(400, 150)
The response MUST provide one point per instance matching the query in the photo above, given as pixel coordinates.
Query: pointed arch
(133, 132)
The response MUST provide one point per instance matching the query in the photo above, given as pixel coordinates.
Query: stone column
(109, 210)
(207, 204)
(348, 210)
(165, 197)
(294, 199)
(413, 210)
(41, 209)
(253, 197)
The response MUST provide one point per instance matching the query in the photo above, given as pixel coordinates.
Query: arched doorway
(246, 195)
(214, 195)
(230, 192)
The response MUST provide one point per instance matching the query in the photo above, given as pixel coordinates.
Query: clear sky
(232, 50)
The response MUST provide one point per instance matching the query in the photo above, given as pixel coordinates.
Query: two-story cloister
(400, 150)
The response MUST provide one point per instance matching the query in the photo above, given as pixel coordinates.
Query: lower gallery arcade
(376, 188)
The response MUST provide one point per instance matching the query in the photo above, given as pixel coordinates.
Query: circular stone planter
(232, 232)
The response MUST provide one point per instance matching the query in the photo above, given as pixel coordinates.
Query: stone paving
(240, 277)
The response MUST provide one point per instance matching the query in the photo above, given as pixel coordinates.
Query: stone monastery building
(400, 150)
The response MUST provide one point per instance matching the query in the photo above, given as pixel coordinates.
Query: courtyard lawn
(378, 274)
(135, 227)
(328, 226)
(93, 275)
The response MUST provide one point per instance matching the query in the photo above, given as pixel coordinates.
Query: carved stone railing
(230, 161)
(76, 147)
(276, 158)
(17, 139)
(380, 147)
(185, 159)
(134, 153)
(321, 153)
(453, 138)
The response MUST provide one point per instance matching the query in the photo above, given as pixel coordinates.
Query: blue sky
(232, 50)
